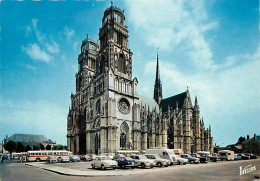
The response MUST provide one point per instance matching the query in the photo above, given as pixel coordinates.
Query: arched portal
(124, 136)
(97, 143)
(148, 142)
(123, 141)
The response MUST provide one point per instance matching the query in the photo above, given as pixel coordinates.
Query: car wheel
(120, 166)
(142, 165)
(178, 162)
(191, 161)
(184, 163)
(159, 164)
(123, 166)
(114, 168)
(93, 165)
(132, 167)
(103, 167)
(37, 159)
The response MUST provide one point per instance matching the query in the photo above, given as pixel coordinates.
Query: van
(226, 155)
(163, 153)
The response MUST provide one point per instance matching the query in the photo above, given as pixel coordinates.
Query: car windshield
(170, 153)
(142, 157)
(177, 156)
(128, 158)
(188, 155)
(150, 156)
(105, 158)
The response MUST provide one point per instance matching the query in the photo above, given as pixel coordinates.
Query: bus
(18, 155)
(42, 155)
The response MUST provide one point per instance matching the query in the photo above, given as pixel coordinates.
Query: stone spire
(196, 101)
(157, 86)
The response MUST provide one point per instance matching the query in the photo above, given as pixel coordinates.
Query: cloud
(36, 53)
(172, 24)
(33, 117)
(53, 48)
(68, 32)
(30, 67)
(44, 48)
(39, 35)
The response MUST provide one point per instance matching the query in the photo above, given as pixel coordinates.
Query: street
(211, 171)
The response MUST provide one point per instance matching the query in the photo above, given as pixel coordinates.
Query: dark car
(190, 158)
(243, 156)
(253, 156)
(124, 162)
(203, 159)
(211, 158)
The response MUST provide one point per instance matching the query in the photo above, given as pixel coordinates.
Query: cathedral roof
(149, 102)
(171, 101)
(28, 138)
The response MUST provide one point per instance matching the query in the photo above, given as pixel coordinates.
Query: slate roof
(28, 138)
(171, 101)
(252, 139)
(148, 102)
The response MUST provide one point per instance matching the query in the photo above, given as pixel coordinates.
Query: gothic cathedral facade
(107, 114)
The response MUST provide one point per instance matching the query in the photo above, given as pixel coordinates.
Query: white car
(142, 161)
(104, 162)
(180, 160)
(158, 161)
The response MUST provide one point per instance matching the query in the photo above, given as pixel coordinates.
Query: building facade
(106, 112)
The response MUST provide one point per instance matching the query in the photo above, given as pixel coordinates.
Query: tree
(48, 147)
(60, 147)
(241, 140)
(10, 146)
(36, 147)
(55, 147)
(28, 148)
(42, 147)
(20, 147)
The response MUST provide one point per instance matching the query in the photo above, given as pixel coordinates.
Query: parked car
(104, 162)
(212, 158)
(63, 159)
(88, 158)
(253, 156)
(124, 162)
(226, 155)
(158, 161)
(51, 159)
(237, 157)
(243, 156)
(163, 153)
(179, 160)
(74, 158)
(190, 158)
(142, 161)
(82, 157)
(203, 159)
(93, 156)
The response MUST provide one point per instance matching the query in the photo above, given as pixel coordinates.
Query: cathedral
(107, 114)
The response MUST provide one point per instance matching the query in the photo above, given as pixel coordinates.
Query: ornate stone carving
(124, 106)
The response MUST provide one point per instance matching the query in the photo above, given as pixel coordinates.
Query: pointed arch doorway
(124, 136)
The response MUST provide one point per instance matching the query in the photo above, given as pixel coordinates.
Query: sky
(210, 46)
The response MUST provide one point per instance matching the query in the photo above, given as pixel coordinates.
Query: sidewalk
(83, 169)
